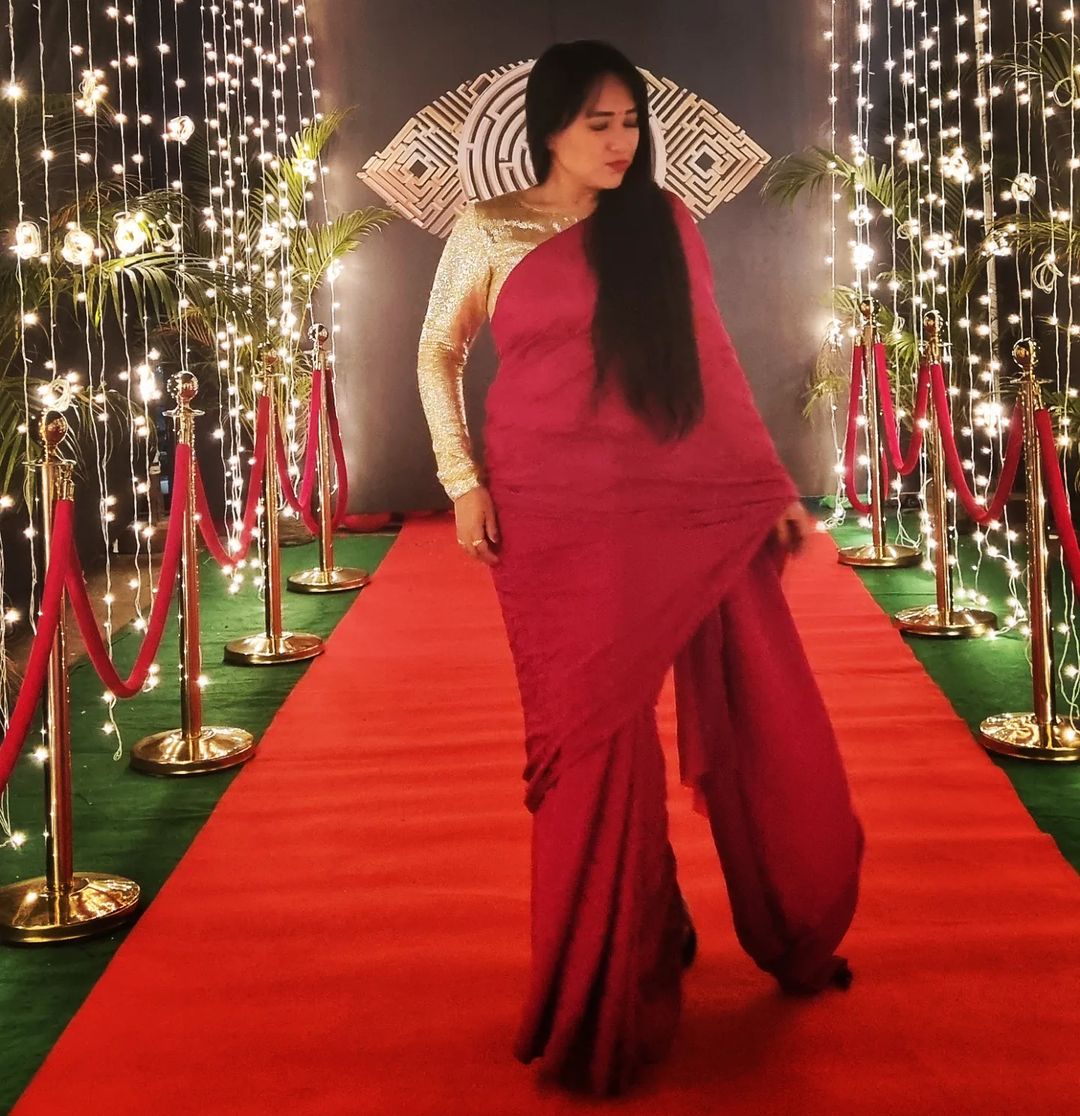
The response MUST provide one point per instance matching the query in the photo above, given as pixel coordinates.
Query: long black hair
(642, 330)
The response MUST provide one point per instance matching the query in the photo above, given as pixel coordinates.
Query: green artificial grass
(135, 825)
(981, 677)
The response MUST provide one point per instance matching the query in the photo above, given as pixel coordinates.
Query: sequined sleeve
(456, 311)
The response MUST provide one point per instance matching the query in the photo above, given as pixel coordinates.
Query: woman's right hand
(477, 525)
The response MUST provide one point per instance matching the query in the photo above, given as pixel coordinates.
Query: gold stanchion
(194, 748)
(62, 905)
(1041, 735)
(326, 577)
(274, 645)
(878, 554)
(941, 620)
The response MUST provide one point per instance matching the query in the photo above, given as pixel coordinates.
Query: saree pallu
(621, 557)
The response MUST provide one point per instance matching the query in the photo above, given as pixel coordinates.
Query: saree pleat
(605, 991)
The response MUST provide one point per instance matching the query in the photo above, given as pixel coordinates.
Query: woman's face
(597, 148)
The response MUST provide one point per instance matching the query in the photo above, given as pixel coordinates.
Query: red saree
(620, 557)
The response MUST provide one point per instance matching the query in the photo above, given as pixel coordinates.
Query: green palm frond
(1037, 235)
(815, 169)
(318, 246)
(1048, 62)
(12, 443)
(292, 179)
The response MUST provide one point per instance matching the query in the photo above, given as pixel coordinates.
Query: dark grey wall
(761, 62)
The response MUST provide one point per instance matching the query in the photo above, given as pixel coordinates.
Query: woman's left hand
(792, 528)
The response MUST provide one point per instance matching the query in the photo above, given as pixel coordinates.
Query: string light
(980, 138)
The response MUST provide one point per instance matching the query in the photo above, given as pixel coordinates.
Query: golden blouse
(488, 241)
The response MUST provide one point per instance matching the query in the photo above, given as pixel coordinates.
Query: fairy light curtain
(160, 160)
(954, 188)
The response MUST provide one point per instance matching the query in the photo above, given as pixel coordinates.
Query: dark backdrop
(761, 62)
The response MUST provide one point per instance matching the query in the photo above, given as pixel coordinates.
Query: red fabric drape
(341, 472)
(254, 494)
(1013, 452)
(617, 550)
(851, 441)
(170, 564)
(1056, 495)
(902, 463)
(288, 490)
(52, 602)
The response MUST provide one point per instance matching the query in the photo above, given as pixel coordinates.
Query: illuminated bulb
(91, 91)
(862, 256)
(955, 166)
(180, 129)
(147, 384)
(1023, 187)
(78, 248)
(270, 238)
(129, 234)
(996, 245)
(911, 150)
(58, 395)
(27, 244)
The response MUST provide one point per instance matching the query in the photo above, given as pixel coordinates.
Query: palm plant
(810, 172)
(163, 281)
(271, 301)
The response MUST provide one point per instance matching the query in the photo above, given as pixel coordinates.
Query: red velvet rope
(287, 488)
(159, 611)
(52, 600)
(301, 501)
(254, 493)
(1013, 452)
(851, 441)
(903, 465)
(341, 472)
(1055, 494)
(311, 447)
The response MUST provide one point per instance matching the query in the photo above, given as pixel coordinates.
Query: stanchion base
(337, 579)
(887, 557)
(1019, 735)
(930, 622)
(173, 753)
(262, 650)
(96, 904)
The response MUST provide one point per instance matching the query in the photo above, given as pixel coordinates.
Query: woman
(635, 515)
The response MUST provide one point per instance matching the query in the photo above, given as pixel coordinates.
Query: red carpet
(348, 934)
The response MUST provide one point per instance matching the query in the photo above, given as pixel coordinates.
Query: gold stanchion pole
(879, 554)
(274, 645)
(1041, 735)
(194, 748)
(62, 905)
(326, 577)
(941, 620)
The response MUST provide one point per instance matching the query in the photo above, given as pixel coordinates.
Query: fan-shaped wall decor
(470, 144)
